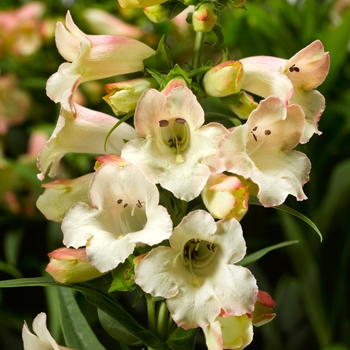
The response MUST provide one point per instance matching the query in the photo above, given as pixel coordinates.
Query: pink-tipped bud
(204, 18)
(225, 197)
(263, 309)
(158, 13)
(224, 79)
(71, 266)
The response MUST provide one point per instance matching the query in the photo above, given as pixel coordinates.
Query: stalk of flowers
(133, 210)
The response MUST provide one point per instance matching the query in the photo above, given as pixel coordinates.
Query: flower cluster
(148, 172)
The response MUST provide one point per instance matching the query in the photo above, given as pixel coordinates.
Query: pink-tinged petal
(62, 194)
(213, 336)
(124, 212)
(263, 77)
(313, 104)
(309, 67)
(42, 339)
(92, 57)
(189, 281)
(262, 151)
(82, 132)
(102, 22)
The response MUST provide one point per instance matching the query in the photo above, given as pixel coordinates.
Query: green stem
(162, 320)
(151, 312)
(197, 50)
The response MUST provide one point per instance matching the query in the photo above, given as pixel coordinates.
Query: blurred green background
(309, 281)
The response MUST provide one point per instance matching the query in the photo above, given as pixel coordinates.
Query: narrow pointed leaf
(251, 258)
(76, 330)
(291, 211)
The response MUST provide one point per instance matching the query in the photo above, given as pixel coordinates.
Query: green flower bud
(158, 13)
(123, 96)
(69, 265)
(243, 109)
(204, 18)
(224, 79)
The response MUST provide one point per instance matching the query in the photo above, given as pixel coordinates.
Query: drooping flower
(84, 131)
(91, 57)
(71, 266)
(197, 275)
(305, 71)
(236, 332)
(123, 212)
(175, 150)
(262, 150)
(42, 339)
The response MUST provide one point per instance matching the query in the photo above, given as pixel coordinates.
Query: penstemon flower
(123, 213)
(175, 149)
(306, 70)
(262, 150)
(197, 275)
(81, 132)
(42, 339)
(91, 57)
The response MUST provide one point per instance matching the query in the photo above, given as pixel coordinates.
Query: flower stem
(151, 312)
(197, 50)
(162, 320)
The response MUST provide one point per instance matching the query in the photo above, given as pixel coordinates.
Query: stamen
(267, 132)
(293, 68)
(119, 201)
(125, 205)
(163, 123)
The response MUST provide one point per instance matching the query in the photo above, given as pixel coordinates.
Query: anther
(180, 121)
(119, 201)
(125, 205)
(163, 123)
(267, 132)
(293, 68)
(138, 204)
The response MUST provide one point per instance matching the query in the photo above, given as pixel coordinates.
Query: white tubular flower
(196, 274)
(91, 57)
(84, 131)
(292, 80)
(261, 150)
(61, 194)
(42, 339)
(175, 150)
(124, 212)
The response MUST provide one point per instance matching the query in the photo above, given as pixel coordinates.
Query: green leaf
(161, 60)
(251, 258)
(99, 299)
(286, 209)
(11, 270)
(76, 330)
(113, 328)
(182, 339)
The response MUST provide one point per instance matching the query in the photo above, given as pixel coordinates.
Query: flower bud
(139, 3)
(224, 79)
(123, 96)
(204, 18)
(262, 313)
(158, 13)
(225, 197)
(247, 105)
(71, 266)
